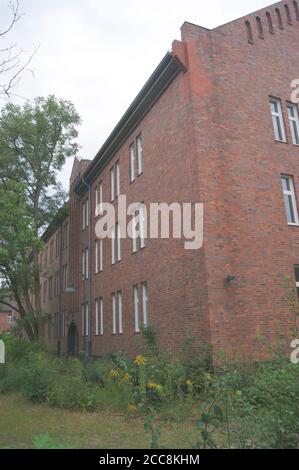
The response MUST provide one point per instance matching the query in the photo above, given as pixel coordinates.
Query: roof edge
(163, 75)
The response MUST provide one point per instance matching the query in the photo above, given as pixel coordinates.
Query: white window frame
(132, 163)
(113, 300)
(100, 255)
(139, 155)
(136, 308)
(113, 258)
(85, 263)
(142, 225)
(144, 303)
(9, 319)
(290, 194)
(277, 120)
(118, 242)
(99, 317)
(99, 199)
(85, 214)
(112, 187)
(96, 256)
(294, 122)
(117, 176)
(120, 312)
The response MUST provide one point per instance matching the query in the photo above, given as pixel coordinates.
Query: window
(63, 323)
(85, 319)
(296, 9)
(99, 317)
(277, 119)
(138, 228)
(144, 306)
(115, 181)
(45, 292)
(85, 263)
(57, 284)
(132, 163)
(112, 191)
(117, 320)
(117, 174)
(112, 246)
(9, 318)
(52, 251)
(139, 158)
(139, 155)
(294, 122)
(57, 245)
(118, 242)
(144, 303)
(49, 326)
(297, 279)
(290, 200)
(64, 277)
(136, 308)
(85, 214)
(98, 253)
(51, 288)
(99, 199)
(65, 236)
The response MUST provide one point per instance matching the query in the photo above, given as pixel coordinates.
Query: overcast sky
(98, 54)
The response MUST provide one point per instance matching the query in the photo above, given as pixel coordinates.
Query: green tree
(35, 141)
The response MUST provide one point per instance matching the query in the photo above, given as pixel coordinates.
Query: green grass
(21, 422)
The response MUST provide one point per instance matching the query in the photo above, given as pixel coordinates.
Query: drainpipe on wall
(89, 347)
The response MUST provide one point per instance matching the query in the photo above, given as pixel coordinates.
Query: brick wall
(208, 138)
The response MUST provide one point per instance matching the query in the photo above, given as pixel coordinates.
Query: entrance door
(72, 340)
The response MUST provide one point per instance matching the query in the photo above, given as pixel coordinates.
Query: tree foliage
(35, 141)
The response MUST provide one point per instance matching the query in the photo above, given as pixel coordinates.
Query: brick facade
(207, 136)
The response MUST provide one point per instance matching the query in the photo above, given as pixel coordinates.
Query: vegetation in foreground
(150, 401)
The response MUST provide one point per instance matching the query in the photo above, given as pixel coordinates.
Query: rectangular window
(139, 227)
(117, 316)
(9, 318)
(136, 309)
(113, 297)
(99, 199)
(63, 323)
(294, 122)
(290, 200)
(85, 319)
(50, 288)
(96, 256)
(277, 119)
(112, 246)
(85, 214)
(120, 312)
(112, 190)
(297, 279)
(117, 174)
(132, 163)
(52, 251)
(144, 303)
(118, 243)
(99, 317)
(139, 154)
(85, 263)
(57, 245)
(45, 292)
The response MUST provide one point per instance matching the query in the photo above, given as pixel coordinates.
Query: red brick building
(215, 124)
(7, 319)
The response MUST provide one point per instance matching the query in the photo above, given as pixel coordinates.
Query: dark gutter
(164, 74)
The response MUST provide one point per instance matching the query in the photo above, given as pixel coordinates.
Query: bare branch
(14, 7)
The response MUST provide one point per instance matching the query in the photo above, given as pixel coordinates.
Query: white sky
(98, 54)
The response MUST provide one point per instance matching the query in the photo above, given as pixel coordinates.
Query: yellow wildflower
(154, 386)
(126, 378)
(132, 409)
(114, 374)
(189, 383)
(140, 361)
